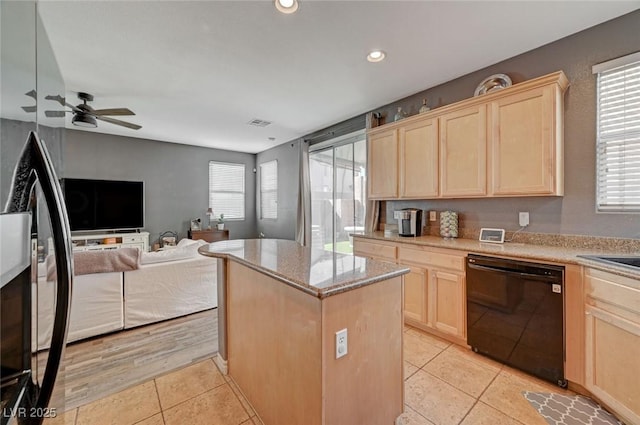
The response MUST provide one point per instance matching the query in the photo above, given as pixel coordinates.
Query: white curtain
(372, 218)
(303, 222)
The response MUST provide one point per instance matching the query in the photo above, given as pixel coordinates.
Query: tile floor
(444, 385)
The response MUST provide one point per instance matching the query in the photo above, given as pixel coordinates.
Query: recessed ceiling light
(376, 56)
(286, 6)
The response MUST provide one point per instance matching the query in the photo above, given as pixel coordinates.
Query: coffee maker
(409, 221)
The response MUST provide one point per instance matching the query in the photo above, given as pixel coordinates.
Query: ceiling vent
(259, 123)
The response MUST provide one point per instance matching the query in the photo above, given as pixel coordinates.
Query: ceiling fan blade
(62, 101)
(29, 108)
(31, 93)
(118, 122)
(54, 114)
(113, 111)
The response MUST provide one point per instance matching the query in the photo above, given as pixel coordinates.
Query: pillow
(180, 252)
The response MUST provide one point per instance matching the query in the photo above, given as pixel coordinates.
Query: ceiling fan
(85, 116)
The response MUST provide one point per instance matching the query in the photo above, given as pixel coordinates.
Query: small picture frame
(195, 224)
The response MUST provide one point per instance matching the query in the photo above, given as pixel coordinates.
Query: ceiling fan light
(84, 120)
(286, 6)
(376, 56)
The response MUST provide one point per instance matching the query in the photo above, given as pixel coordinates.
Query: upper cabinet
(383, 157)
(505, 143)
(463, 147)
(526, 143)
(419, 159)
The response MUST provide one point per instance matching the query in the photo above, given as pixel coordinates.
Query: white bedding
(96, 307)
(163, 291)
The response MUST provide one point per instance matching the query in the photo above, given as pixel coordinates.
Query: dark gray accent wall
(176, 177)
(288, 157)
(575, 213)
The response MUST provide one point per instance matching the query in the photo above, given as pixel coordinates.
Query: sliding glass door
(337, 171)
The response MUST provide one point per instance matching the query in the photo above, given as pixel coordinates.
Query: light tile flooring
(444, 384)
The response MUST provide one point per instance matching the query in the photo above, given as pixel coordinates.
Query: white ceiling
(198, 72)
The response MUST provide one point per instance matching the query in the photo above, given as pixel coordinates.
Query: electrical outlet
(432, 216)
(524, 219)
(341, 343)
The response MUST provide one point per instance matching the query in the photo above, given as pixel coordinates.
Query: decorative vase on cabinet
(400, 114)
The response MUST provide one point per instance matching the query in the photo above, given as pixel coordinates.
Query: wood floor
(102, 366)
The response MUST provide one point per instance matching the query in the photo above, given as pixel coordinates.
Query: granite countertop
(317, 272)
(555, 254)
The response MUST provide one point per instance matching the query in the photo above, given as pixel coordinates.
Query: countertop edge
(520, 251)
(316, 292)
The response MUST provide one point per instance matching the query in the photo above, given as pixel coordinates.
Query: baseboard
(221, 363)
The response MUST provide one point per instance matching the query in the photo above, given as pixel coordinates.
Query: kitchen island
(280, 307)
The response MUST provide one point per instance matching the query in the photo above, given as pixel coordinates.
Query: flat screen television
(104, 204)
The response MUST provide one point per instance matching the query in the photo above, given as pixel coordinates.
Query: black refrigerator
(27, 385)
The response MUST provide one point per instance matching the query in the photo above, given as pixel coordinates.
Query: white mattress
(96, 307)
(163, 291)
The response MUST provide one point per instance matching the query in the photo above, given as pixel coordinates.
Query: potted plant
(221, 222)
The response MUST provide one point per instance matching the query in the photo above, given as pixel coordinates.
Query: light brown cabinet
(434, 289)
(383, 155)
(419, 159)
(415, 295)
(377, 250)
(448, 309)
(612, 342)
(434, 297)
(505, 143)
(463, 147)
(525, 154)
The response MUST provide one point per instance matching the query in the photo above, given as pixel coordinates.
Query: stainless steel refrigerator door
(34, 165)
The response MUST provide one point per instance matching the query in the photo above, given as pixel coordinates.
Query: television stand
(105, 241)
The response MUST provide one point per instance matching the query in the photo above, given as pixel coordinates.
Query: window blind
(226, 190)
(618, 135)
(269, 190)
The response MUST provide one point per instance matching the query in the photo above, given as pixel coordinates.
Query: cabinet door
(383, 165)
(612, 353)
(463, 152)
(419, 160)
(415, 295)
(523, 144)
(446, 303)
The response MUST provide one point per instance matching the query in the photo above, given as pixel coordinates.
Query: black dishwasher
(515, 313)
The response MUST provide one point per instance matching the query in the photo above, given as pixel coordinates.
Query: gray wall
(176, 177)
(27, 62)
(575, 212)
(287, 155)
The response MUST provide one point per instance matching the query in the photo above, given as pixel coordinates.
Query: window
(337, 172)
(618, 135)
(226, 190)
(269, 190)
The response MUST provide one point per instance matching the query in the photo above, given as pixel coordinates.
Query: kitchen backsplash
(469, 229)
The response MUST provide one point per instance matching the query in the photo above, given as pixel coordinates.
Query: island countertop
(317, 272)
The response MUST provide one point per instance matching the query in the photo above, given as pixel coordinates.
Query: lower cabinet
(377, 250)
(448, 306)
(416, 295)
(612, 342)
(434, 291)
